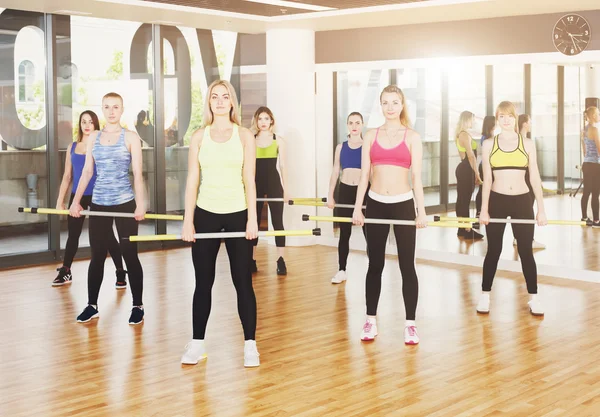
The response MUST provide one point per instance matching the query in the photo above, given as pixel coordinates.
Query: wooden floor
(313, 364)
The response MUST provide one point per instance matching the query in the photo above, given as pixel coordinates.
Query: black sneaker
(137, 315)
(64, 277)
(88, 313)
(253, 267)
(473, 235)
(121, 283)
(281, 268)
(596, 225)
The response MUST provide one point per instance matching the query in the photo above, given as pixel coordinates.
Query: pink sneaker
(369, 331)
(410, 335)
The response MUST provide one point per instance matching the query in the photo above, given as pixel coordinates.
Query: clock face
(571, 34)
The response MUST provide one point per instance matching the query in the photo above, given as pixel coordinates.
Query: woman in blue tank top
(347, 161)
(74, 161)
(591, 165)
(112, 151)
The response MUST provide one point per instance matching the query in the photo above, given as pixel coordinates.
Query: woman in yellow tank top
(222, 199)
(505, 161)
(467, 174)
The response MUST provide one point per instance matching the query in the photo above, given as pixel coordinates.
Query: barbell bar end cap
(317, 232)
(324, 199)
(20, 210)
(305, 217)
(476, 225)
(436, 218)
(291, 202)
(34, 210)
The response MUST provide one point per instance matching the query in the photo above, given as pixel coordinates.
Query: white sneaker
(410, 335)
(538, 245)
(483, 306)
(195, 351)
(535, 307)
(339, 277)
(369, 331)
(251, 354)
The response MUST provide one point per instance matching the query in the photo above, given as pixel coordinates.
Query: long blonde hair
(589, 112)
(404, 114)
(463, 123)
(263, 109)
(508, 108)
(234, 114)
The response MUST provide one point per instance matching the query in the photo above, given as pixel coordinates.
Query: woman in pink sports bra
(392, 152)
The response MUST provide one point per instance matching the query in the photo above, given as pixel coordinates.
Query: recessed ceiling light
(165, 22)
(72, 12)
(292, 5)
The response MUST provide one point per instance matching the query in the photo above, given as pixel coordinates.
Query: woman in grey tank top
(591, 165)
(113, 150)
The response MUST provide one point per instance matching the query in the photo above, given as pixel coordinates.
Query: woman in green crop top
(467, 173)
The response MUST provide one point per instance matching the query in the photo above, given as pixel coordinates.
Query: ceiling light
(293, 5)
(72, 12)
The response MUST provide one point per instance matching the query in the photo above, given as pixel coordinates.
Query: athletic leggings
(405, 240)
(268, 184)
(101, 232)
(75, 225)
(479, 197)
(591, 185)
(346, 195)
(517, 207)
(204, 256)
(465, 184)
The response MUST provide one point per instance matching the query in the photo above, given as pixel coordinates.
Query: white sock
(95, 306)
(372, 320)
(485, 294)
(198, 342)
(533, 297)
(410, 323)
(249, 343)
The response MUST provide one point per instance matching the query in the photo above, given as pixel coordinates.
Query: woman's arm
(363, 184)
(536, 181)
(86, 175)
(335, 175)
(416, 155)
(66, 180)
(282, 166)
(135, 147)
(249, 172)
(487, 181)
(191, 186)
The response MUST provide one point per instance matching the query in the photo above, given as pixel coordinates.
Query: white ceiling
(412, 13)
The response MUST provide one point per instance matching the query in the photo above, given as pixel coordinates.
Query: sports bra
(399, 155)
(350, 158)
(515, 159)
(461, 148)
(591, 151)
(271, 151)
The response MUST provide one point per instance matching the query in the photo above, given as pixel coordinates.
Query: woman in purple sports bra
(392, 156)
(74, 161)
(347, 161)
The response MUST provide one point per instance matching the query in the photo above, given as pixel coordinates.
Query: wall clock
(571, 34)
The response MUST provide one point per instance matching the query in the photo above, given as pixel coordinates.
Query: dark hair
(355, 113)
(262, 109)
(489, 124)
(523, 118)
(95, 121)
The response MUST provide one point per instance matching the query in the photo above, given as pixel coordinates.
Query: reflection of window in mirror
(26, 80)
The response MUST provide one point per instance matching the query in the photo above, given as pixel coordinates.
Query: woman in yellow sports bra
(270, 152)
(223, 198)
(506, 159)
(467, 174)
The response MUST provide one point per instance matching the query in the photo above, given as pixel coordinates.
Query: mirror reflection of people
(74, 162)
(113, 150)
(591, 165)
(505, 193)
(524, 127)
(467, 173)
(347, 161)
(487, 132)
(144, 128)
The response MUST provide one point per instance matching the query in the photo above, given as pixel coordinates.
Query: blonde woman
(467, 173)
(591, 165)
(506, 159)
(391, 154)
(270, 152)
(225, 200)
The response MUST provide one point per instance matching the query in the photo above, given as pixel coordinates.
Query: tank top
(399, 155)
(591, 151)
(350, 158)
(78, 162)
(113, 186)
(271, 151)
(473, 144)
(515, 159)
(221, 188)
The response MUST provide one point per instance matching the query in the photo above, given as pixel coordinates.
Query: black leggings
(346, 195)
(591, 185)
(75, 225)
(405, 240)
(204, 256)
(101, 232)
(465, 184)
(517, 207)
(268, 184)
(479, 197)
